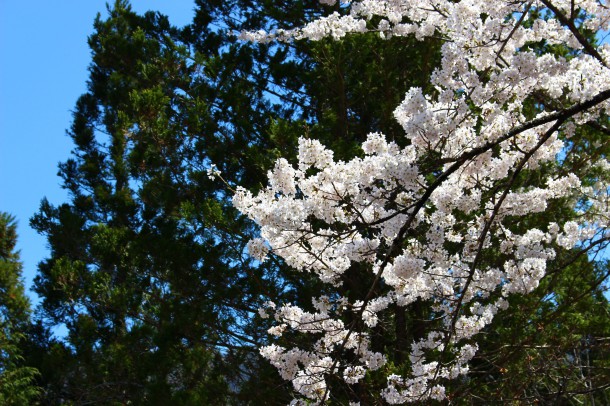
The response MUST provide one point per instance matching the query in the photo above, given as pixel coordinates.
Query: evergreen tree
(147, 268)
(125, 275)
(17, 380)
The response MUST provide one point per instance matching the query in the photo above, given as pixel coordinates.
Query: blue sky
(43, 69)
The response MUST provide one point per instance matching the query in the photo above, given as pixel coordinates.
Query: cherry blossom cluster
(424, 238)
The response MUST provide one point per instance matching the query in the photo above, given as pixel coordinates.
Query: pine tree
(124, 275)
(17, 380)
(147, 269)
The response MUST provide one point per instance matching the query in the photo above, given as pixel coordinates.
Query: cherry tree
(440, 219)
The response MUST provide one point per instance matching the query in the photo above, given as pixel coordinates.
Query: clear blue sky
(43, 69)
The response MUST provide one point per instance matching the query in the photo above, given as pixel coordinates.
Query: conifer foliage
(17, 380)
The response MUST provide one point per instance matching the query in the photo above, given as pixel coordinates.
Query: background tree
(124, 275)
(17, 380)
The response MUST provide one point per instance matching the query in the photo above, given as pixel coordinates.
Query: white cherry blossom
(423, 237)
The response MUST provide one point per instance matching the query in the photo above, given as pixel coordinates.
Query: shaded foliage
(17, 379)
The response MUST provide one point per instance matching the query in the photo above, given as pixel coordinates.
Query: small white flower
(277, 330)
(354, 374)
(213, 172)
(257, 249)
